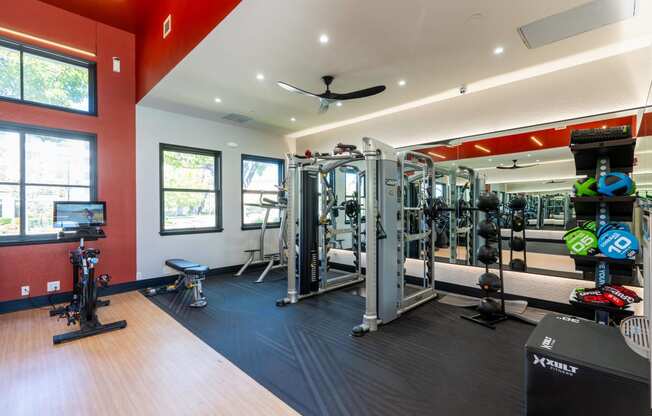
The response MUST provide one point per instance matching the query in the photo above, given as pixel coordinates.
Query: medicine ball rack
(513, 213)
(490, 321)
(612, 153)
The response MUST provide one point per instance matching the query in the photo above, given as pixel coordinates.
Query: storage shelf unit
(620, 207)
(609, 151)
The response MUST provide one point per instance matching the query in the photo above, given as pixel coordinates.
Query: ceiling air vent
(584, 18)
(237, 118)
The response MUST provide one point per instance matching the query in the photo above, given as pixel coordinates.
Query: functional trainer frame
(311, 225)
(389, 292)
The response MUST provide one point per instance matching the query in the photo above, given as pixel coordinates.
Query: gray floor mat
(515, 308)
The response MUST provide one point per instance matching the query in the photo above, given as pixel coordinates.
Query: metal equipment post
(292, 228)
(370, 317)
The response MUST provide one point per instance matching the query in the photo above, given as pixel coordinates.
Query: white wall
(212, 249)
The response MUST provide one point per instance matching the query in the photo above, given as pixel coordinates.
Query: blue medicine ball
(615, 184)
(618, 244)
(608, 227)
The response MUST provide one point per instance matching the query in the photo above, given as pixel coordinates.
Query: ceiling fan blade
(294, 89)
(525, 166)
(323, 105)
(506, 167)
(367, 92)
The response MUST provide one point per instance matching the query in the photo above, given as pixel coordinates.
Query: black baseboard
(63, 297)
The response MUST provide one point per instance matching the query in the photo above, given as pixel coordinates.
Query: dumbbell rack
(511, 238)
(598, 159)
(501, 315)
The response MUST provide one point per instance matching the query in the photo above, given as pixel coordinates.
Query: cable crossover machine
(399, 215)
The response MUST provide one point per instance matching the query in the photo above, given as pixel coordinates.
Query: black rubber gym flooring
(428, 362)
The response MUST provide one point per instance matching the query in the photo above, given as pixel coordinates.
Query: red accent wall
(35, 265)
(191, 22)
(646, 125)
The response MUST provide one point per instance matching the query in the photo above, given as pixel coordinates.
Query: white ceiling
(434, 45)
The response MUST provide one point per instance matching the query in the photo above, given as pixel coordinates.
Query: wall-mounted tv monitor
(71, 215)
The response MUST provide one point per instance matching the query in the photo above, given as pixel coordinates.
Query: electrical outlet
(116, 64)
(53, 286)
(24, 291)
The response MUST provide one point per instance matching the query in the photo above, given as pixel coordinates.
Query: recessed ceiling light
(218, 100)
(293, 119)
(260, 77)
(401, 83)
(339, 104)
(604, 126)
(489, 160)
(529, 155)
(538, 160)
(232, 144)
(323, 39)
(498, 50)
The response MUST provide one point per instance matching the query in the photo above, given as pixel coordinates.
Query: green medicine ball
(581, 241)
(586, 187)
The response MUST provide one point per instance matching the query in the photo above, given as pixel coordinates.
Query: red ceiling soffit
(522, 142)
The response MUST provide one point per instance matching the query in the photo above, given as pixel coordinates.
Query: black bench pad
(196, 270)
(181, 264)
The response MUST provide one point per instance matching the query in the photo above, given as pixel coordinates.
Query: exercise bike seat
(196, 271)
(181, 264)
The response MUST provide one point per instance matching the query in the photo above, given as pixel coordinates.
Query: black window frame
(281, 175)
(45, 53)
(23, 130)
(217, 184)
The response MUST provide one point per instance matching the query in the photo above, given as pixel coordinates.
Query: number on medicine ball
(620, 245)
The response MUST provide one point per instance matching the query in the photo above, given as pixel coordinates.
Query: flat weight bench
(191, 276)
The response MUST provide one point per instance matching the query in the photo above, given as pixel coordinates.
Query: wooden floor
(153, 367)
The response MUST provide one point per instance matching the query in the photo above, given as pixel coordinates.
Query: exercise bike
(82, 309)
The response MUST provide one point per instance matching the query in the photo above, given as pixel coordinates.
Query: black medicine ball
(518, 244)
(488, 229)
(489, 307)
(518, 223)
(488, 254)
(518, 203)
(488, 201)
(517, 265)
(489, 282)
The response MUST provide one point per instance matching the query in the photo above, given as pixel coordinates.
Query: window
(261, 177)
(350, 184)
(39, 167)
(191, 187)
(36, 76)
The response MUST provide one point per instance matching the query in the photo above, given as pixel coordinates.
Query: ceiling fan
(516, 166)
(328, 97)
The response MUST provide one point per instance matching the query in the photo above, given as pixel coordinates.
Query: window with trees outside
(39, 77)
(37, 167)
(261, 178)
(191, 188)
